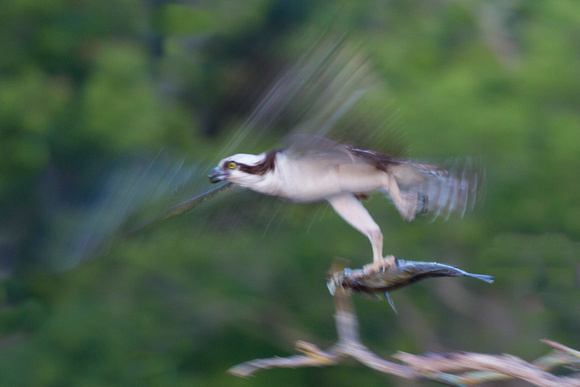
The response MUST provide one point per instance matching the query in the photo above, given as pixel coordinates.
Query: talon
(390, 261)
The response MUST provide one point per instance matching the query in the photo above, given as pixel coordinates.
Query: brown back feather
(378, 160)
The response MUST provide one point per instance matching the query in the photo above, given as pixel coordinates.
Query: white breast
(307, 179)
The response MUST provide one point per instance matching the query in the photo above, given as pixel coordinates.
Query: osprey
(315, 169)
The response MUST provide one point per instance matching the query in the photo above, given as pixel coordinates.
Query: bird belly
(303, 183)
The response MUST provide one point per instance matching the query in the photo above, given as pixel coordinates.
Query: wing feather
(320, 148)
(440, 192)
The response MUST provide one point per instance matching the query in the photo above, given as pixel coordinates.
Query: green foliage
(119, 104)
(84, 85)
(178, 19)
(29, 100)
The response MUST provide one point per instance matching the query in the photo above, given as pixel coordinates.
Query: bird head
(242, 169)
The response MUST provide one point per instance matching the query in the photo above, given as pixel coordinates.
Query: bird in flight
(313, 96)
(315, 169)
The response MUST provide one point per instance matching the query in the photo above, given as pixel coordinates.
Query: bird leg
(355, 214)
(380, 263)
(406, 203)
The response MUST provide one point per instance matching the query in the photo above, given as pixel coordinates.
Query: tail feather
(436, 192)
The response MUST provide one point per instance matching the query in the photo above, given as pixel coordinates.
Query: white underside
(305, 180)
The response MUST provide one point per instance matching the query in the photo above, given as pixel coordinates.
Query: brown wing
(304, 145)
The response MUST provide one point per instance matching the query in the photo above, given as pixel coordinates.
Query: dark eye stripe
(259, 169)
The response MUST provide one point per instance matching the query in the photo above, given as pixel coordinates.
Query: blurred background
(91, 91)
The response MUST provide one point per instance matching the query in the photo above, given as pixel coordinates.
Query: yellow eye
(232, 165)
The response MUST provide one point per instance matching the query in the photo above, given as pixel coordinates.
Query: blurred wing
(315, 147)
(319, 95)
(438, 192)
(323, 149)
(183, 207)
(129, 200)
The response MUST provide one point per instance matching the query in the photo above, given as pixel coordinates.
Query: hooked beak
(217, 174)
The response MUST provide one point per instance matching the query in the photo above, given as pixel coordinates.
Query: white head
(243, 169)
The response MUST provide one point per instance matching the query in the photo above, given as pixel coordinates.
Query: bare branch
(505, 365)
(247, 369)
